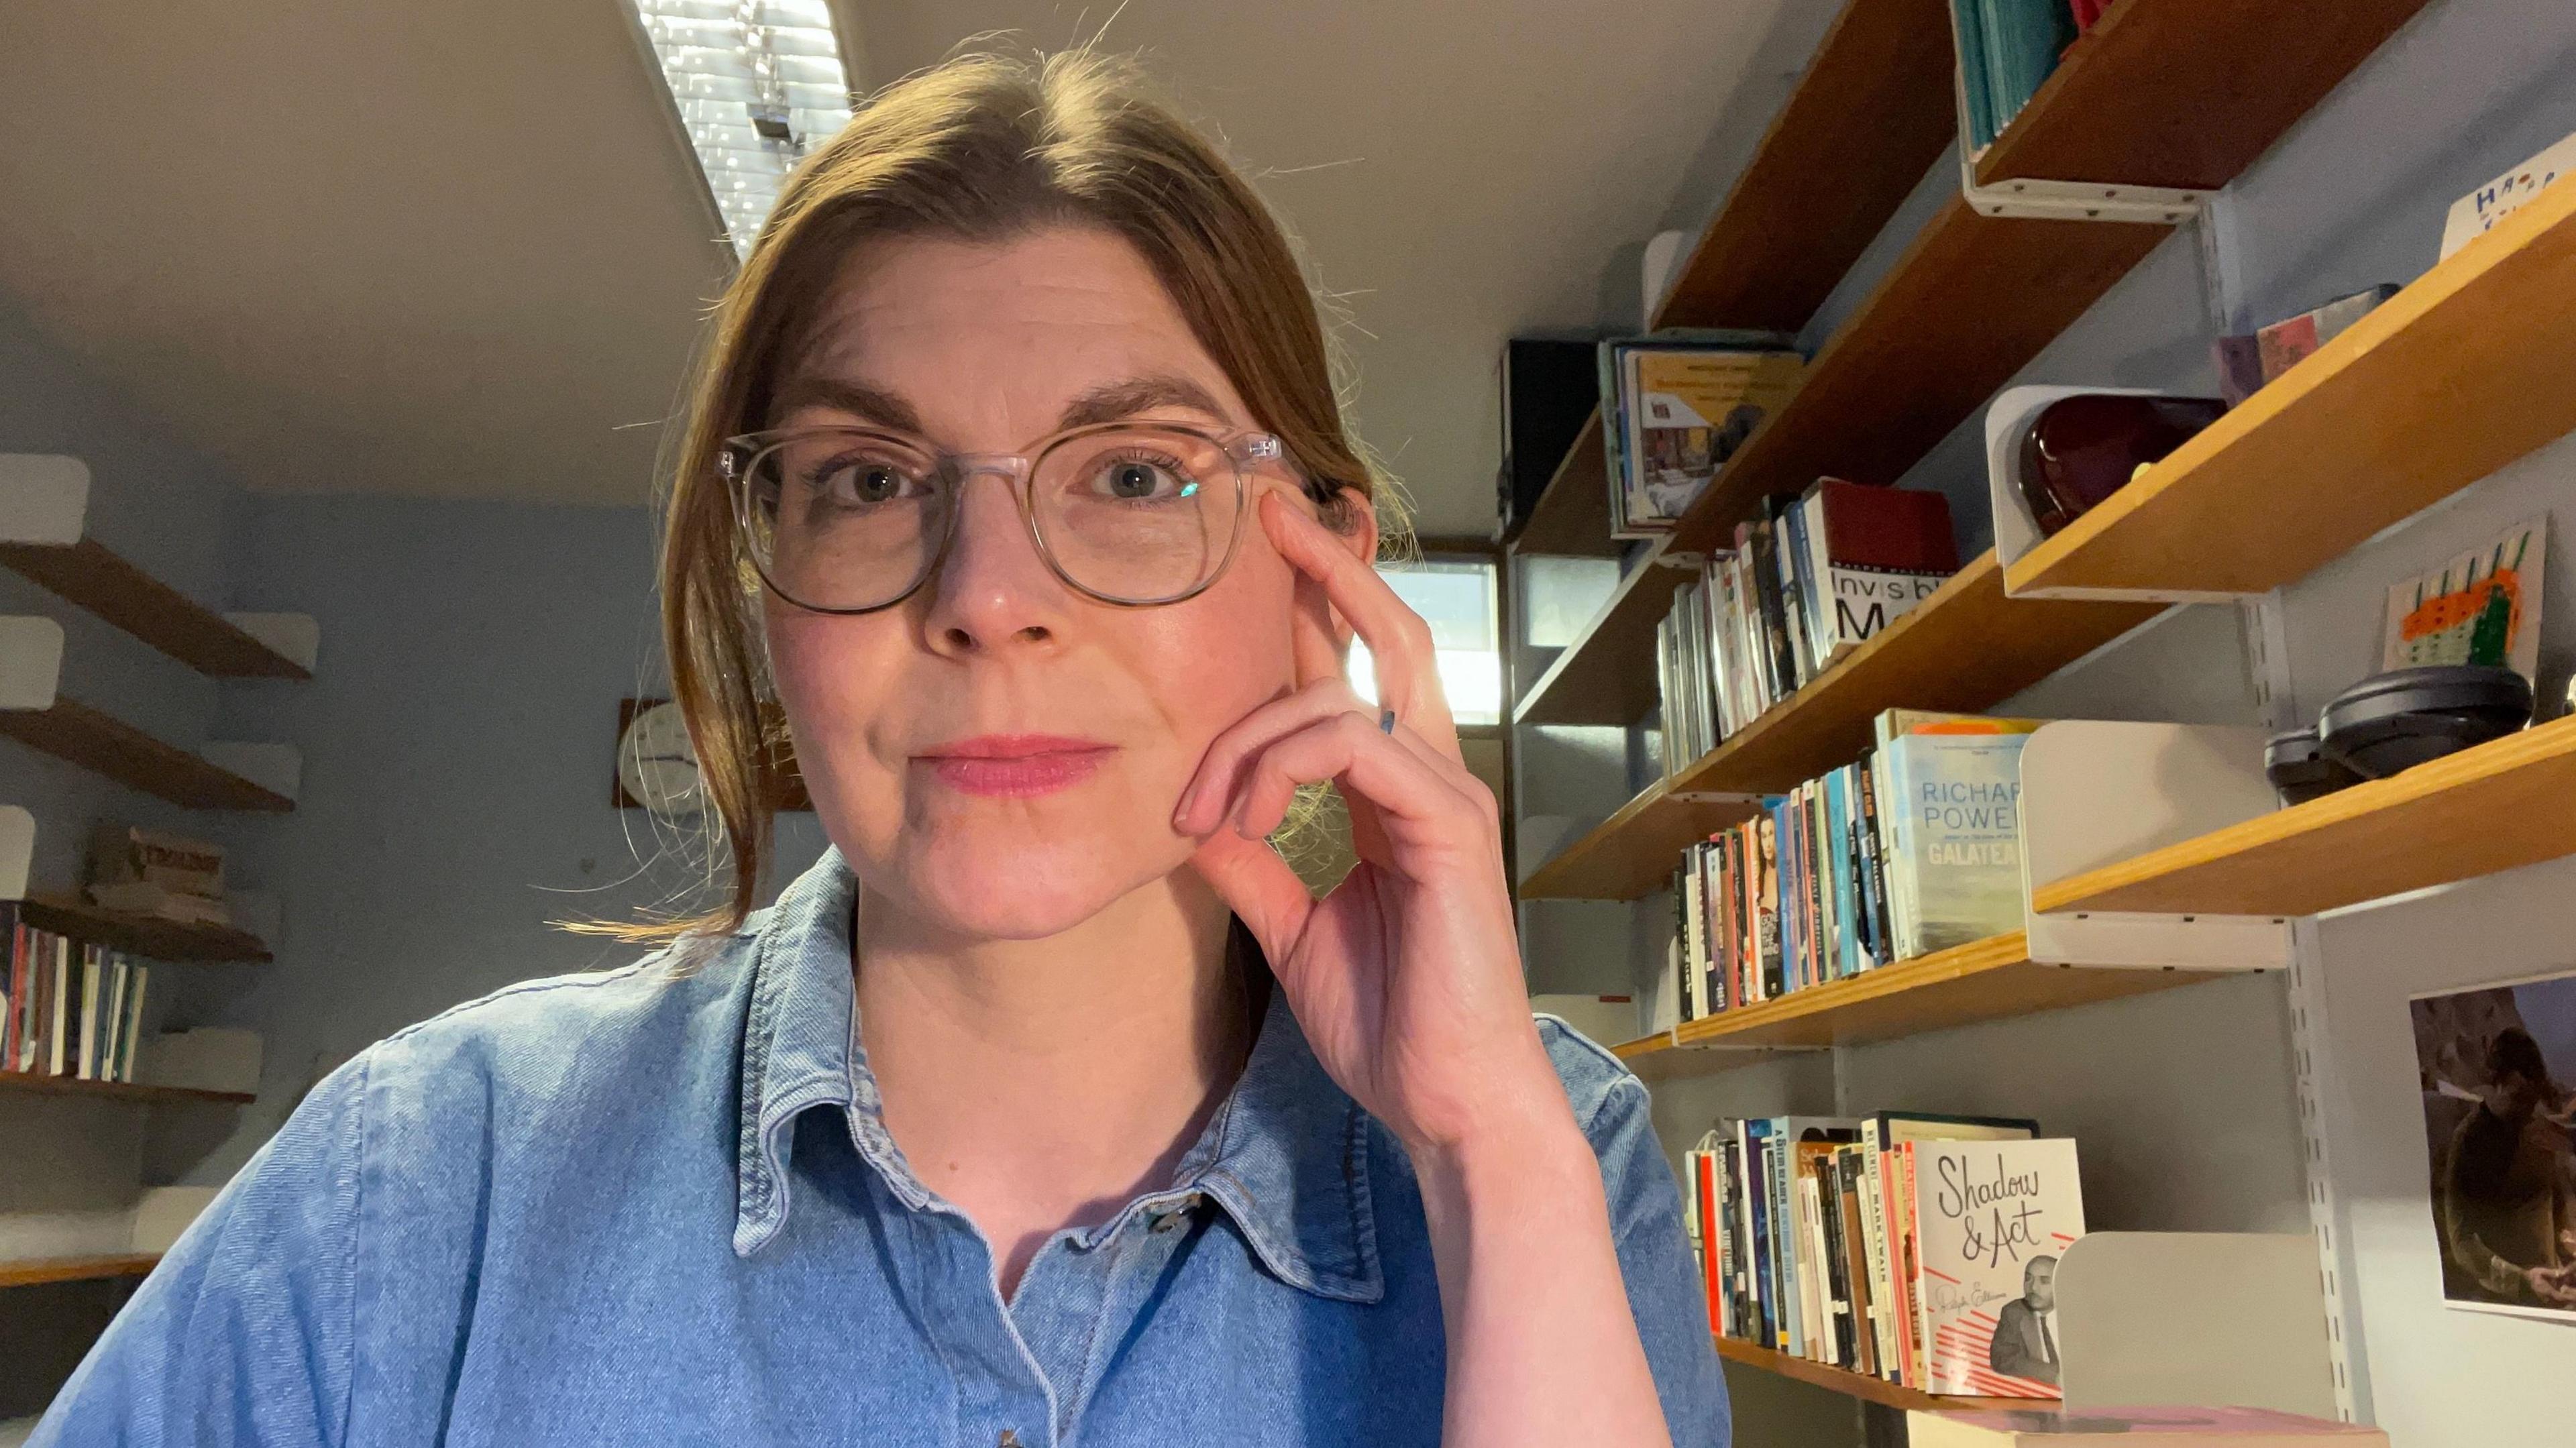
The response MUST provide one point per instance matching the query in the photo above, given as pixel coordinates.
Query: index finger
(1399, 642)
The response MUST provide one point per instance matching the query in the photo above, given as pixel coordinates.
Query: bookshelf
(1975, 297)
(87, 574)
(1991, 979)
(1780, 242)
(1857, 1385)
(35, 1271)
(2483, 810)
(107, 746)
(1964, 648)
(117, 1090)
(1572, 515)
(2183, 94)
(1608, 676)
(2350, 440)
(144, 935)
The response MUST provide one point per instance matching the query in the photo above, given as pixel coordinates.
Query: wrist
(1508, 1157)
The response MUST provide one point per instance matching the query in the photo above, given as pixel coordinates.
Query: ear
(1361, 513)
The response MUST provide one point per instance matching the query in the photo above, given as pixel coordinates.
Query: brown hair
(981, 148)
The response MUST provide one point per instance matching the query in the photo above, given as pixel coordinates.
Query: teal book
(2023, 40)
(1967, 17)
(1956, 786)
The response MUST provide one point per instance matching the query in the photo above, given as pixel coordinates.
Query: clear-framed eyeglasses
(855, 519)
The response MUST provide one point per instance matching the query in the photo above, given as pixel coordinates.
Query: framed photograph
(2495, 1064)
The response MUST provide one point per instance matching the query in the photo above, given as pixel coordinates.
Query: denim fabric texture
(659, 1205)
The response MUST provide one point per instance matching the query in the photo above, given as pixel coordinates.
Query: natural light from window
(756, 82)
(1457, 600)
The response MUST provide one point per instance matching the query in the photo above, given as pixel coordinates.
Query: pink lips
(1015, 765)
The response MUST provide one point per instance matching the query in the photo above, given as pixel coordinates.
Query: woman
(1049, 1106)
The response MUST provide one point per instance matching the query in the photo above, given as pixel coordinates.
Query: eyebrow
(1108, 402)
(1111, 401)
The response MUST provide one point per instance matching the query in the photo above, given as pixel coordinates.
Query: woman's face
(999, 756)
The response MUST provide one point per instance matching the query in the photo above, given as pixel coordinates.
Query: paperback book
(1679, 406)
(1991, 1219)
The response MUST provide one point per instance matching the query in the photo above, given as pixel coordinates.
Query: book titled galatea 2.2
(1991, 1220)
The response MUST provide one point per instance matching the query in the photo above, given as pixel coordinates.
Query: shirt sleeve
(242, 1335)
(1665, 1289)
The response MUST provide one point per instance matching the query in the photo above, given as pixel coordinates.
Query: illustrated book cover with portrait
(1991, 1218)
(2495, 1065)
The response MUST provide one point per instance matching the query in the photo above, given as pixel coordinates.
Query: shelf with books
(1986, 980)
(2183, 94)
(2494, 807)
(1780, 241)
(1856, 1385)
(2351, 439)
(110, 747)
(117, 1090)
(35, 1271)
(143, 935)
(1964, 648)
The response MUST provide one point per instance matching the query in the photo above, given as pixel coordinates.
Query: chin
(1017, 879)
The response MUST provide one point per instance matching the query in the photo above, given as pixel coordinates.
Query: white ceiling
(455, 248)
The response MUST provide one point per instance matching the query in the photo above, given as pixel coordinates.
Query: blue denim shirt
(659, 1205)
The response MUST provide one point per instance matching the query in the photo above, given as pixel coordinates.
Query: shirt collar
(1286, 1154)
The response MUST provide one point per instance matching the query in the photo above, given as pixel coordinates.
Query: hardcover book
(1875, 553)
(1991, 1218)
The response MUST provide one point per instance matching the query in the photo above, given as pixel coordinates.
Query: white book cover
(1992, 1218)
(2475, 214)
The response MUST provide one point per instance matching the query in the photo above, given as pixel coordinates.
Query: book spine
(1968, 32)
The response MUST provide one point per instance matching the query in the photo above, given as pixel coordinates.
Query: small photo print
(2496, 1066)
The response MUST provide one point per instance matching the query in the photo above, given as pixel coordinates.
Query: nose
(994, 593)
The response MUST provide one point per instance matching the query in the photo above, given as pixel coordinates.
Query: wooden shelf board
(2184, 94)
(33, 1271)
(1972, 300)
(87, 574)
(115, 1090)
(1988, 980)
(1858, 1385)
(2503, 804)
(1781, 242)
(1572, 516)
(1608, 675)
(141, 934)
(2456, 376)
(1962, 649)
(1634, 851)
(108, 746)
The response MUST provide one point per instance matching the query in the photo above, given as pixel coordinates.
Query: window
(756, 83)
(1456, 597)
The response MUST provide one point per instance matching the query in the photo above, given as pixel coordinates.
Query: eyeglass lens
(846, 520)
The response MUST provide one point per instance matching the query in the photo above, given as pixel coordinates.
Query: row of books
(1675, 406)
(1915, 847)
(1915, 1248)
(2006, 49)
(72, 1008)
(1801, 588)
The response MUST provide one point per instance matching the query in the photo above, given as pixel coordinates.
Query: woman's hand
(1407, 977)
(1407, 980)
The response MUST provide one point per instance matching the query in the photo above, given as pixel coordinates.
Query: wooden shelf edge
(33, 1271)
(1547, 701)
(1571, 518)
(2136, 537)
(2435, 824)
(118, 1090)
(115, 750)
(165, 940)
(1857, 1385)
(1985, 980)
(94, 578)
